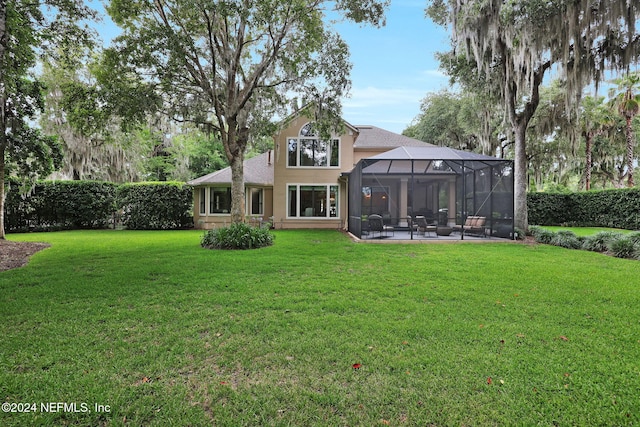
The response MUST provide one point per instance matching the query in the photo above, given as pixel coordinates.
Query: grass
(167, 333)
(584, 231)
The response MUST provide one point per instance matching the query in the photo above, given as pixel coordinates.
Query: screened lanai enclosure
(435, 190)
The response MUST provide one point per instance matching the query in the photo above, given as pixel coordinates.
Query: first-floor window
(203, 202)
(220, 200)
(313, 201)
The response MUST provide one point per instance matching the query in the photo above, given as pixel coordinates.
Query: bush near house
(238, 236)
(60, 205)
(606, 208)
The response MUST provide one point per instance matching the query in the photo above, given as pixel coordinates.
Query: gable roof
(258, 170)
(375, 137)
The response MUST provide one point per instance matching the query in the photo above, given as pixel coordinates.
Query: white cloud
(434, 73)
(389, 108)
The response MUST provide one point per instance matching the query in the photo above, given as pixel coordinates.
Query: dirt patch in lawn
(16, 254)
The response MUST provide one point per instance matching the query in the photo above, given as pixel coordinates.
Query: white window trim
(298, 141)
(249, 203)
(208, 199)
(301, 138)
(202, 201)
(314, 184)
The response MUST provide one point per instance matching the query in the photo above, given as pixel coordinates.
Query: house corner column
(402, 221)
(451, 221)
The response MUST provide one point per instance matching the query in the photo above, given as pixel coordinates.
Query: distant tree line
(591, 147)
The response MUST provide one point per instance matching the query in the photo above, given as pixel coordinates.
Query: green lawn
(166, 333)
(584, 231)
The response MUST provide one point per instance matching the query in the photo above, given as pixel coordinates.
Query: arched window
(308, 130)
(310, 151)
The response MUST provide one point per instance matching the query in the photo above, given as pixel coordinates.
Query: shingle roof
(257, 171)
(374, 137)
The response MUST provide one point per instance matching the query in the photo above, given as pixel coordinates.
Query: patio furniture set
(474, 225)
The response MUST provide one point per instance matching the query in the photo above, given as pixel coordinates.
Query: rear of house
(308, 182)
(301, 183)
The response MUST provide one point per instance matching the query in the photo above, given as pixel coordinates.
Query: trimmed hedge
(604, 208)
(156, 205)
(62, 205)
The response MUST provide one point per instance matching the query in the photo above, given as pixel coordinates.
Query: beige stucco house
(301, 183)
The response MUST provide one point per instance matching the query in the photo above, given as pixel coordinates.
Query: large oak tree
(232, 65)
(517, 43)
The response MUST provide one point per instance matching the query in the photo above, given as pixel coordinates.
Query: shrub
(542, 235)
(238, 236)
(566, 239)
(155, 205)
(634, 237)
(625, 247)
(601, 241)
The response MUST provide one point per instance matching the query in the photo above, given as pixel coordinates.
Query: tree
(626, 99)
(199, 154)
(516, 43)
(230, 65)
(26, 31)
(552, 140)
(438, 122)
(594, 121)
(94, 146)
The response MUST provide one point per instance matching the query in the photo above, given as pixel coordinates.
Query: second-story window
(310, 151)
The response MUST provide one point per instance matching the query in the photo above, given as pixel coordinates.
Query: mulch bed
(16, 254)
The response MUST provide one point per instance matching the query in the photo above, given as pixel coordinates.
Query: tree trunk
(3, 195)
(630, 143)
(3, 129)
(588, 161)
(237, 188)
(235, 142)
(520, 177)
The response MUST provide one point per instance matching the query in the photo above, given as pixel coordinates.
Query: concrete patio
(405, 236)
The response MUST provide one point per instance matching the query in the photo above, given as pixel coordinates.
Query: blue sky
(393, 67)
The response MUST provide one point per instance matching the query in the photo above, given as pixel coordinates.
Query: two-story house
(304, 182)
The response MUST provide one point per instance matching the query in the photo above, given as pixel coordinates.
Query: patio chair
(425, 226)
(413, 226)
(377, 224)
